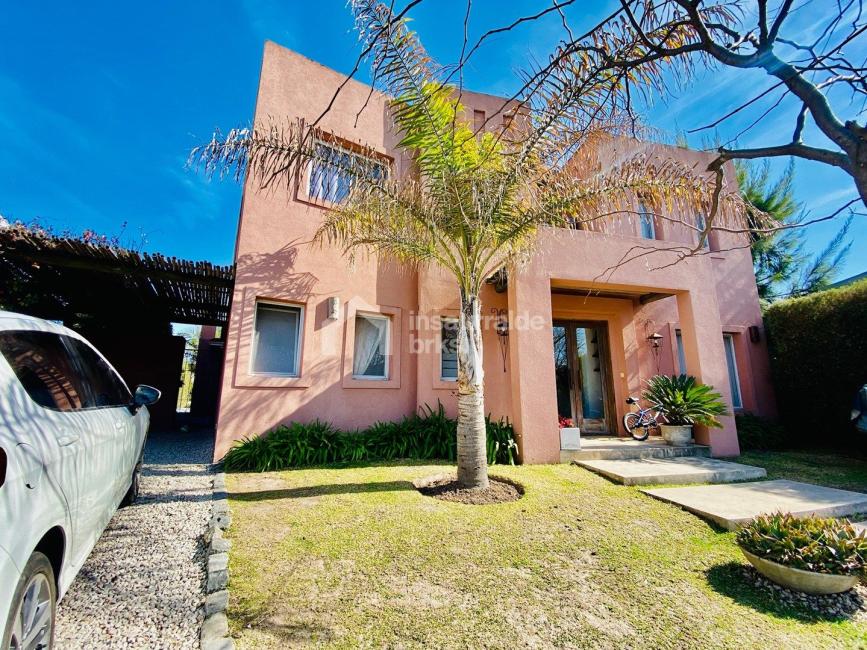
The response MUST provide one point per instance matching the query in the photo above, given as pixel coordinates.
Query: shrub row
(819, 360)
(428, 435)
(756, 433)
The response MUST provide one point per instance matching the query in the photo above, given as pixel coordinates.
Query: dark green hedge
(428, 435)
(760, 434)
(818, 347)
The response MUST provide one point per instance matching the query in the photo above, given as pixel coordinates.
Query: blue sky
(100, 103)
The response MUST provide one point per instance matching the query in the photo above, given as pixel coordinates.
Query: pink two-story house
(311, 336)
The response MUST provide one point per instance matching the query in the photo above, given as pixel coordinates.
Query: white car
(71, 444)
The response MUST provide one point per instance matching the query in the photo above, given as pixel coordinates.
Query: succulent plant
(808, 543)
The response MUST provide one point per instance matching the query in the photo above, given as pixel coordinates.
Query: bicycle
(642, 420)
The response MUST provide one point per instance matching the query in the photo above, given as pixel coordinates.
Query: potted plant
(570, 435)
(809, 554)
(684, 402)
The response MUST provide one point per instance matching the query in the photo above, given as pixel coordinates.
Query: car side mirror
(144, 396)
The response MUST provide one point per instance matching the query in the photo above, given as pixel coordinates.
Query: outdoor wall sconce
(502, 329)
(755, 334)
(655, 341)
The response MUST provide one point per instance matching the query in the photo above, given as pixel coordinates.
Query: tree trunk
(859, 166)
(472, 436)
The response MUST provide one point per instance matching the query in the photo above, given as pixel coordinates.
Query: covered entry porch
(594, 344)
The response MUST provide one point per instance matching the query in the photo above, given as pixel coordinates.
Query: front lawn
(820, 467)
(356, 557)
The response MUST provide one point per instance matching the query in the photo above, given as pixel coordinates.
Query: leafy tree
(782, 267)
(476, 201)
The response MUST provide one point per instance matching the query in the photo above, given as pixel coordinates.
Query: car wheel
(132, 494)
(31, 617)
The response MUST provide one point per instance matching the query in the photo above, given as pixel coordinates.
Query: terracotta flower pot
(677, 435)
(810, 582)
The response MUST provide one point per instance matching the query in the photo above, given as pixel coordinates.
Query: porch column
(531, 357)
(701, 332)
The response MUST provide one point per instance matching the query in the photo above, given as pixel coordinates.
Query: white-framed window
(731, 362)
(681, 356)
(646, 221)
(449, 349)
(276, 339)
(333, 170)
(372, 342)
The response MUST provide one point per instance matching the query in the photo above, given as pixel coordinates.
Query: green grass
(821, 467)
(355, 557)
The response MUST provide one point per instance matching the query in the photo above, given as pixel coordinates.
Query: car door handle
(65, 441)
(118, 424)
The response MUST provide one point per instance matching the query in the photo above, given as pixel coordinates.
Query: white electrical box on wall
(333, 308)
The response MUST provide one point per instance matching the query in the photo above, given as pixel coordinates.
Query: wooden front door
(583, 375)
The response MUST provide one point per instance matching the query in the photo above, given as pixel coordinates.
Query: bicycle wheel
(632, 423)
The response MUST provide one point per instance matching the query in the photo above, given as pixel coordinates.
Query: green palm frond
(475, 201)
(402, 69)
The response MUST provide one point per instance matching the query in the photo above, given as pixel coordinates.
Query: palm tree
(475, 201)
(782, 267)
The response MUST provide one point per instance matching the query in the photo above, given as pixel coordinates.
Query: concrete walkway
(733, 505)
(656, 471)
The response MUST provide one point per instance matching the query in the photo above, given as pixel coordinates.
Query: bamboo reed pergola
(64, 279)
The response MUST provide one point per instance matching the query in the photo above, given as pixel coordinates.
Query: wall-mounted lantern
(655, 340)
(501, 326)
(755, 334)
(333, 308)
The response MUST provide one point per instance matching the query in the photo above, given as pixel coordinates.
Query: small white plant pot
(570, 439)
(677, 435)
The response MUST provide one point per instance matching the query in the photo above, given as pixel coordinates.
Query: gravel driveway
(143, 585)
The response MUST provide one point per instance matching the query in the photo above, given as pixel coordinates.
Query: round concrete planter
(807, 581)
(677, 435)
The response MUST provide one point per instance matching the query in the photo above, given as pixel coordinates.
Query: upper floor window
(701, 224)
(334, 170)
(479, 118)
(449, 349)
(646, 221)
(370, 356)
(276, 339)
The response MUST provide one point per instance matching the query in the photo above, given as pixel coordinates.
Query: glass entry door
(581, 366)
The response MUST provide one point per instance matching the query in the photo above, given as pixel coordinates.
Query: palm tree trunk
(472, 447)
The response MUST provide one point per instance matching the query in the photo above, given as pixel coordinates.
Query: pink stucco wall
(275, 261)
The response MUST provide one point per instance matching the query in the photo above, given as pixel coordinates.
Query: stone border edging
(215, 628)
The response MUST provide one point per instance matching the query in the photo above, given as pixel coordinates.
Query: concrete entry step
(652, 471)
(614, 448)
(733, 505)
